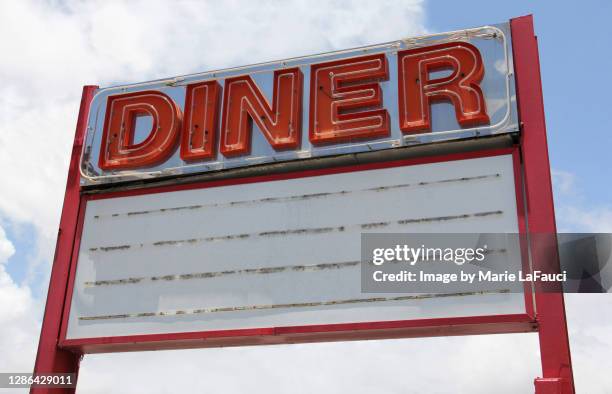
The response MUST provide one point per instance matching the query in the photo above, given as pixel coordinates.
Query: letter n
(244, 103)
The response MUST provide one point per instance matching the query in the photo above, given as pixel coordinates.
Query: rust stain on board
(292, 305)
(304, 196)
(248, 271)
(208, 275)
(110, 248)
(302, 231)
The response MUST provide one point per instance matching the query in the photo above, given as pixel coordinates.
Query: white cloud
(563, 181)
(572, 212)
(50, 49)
(596, 219)
(589, 328)
(19, 317)
(424, 365)
(53, 48)
(6, 248)
(589, 323)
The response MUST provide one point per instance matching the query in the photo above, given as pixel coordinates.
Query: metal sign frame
(511, 323)
(532, 172)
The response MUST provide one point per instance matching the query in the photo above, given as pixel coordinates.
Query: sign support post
(552, 326)
(50, 358)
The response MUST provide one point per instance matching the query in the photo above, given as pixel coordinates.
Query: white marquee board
(249, 255)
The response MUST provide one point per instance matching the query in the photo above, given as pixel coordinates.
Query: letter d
(118, 150)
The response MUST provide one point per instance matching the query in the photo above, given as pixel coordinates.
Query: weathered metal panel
(280, 252)
(493, 42)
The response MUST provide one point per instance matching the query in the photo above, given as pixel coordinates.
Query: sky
(52, 48)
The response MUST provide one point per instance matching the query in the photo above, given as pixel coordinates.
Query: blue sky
(23, 238)
(574, 40)
(58, 46)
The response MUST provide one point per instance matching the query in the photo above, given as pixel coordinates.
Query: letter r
(417, 91)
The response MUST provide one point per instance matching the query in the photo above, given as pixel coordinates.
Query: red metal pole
(50, 358)
(557, 375)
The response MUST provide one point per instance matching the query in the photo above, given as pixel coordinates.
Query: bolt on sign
(226, 208)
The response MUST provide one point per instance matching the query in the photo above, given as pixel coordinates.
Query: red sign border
(309, 333)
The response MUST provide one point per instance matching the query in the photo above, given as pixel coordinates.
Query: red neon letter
(118, 150)
(280, 123)
(346, 99)
(200, 123)
(417, 91)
